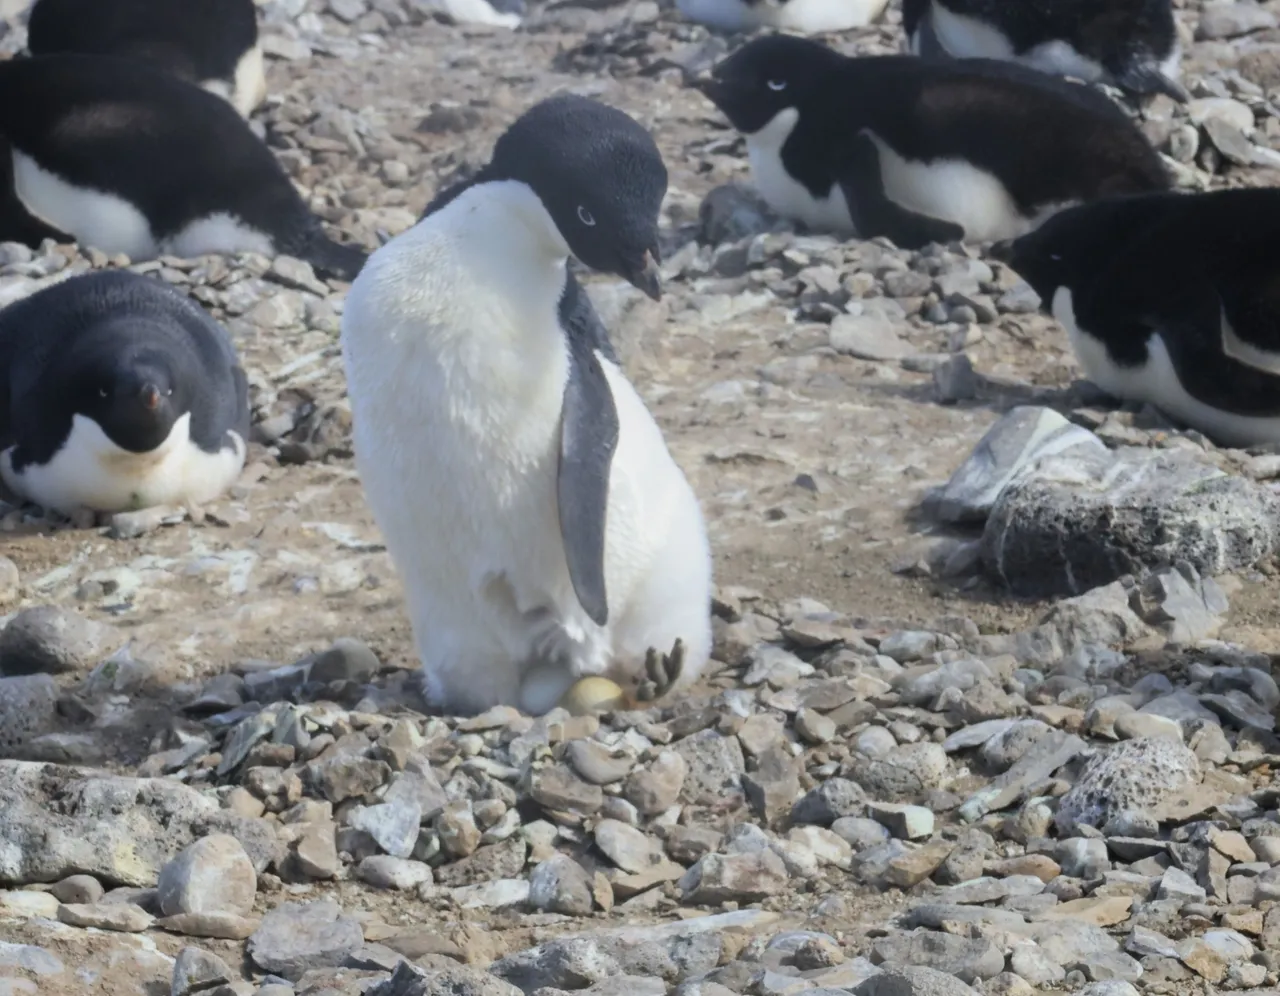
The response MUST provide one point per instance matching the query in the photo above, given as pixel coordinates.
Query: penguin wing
(872, 211)
(588, 439)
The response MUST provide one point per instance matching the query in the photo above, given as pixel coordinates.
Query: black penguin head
(599, 175)
(766, 76)
(1057, 254)
(134, 394)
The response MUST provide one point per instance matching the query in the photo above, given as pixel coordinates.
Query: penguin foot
(662, 672)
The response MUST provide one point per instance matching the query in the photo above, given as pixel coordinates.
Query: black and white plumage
(545, 537)
(1170, 299)
(122, 157)
(1130, 44)
(212, 43)
(117, 392)
(923, 150)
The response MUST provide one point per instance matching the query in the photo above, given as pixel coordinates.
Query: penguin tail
(329, 258)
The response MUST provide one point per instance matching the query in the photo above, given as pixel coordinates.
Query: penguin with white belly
(124, 158)
(1172, 300)
(548, 544)
(920, 150)
(212, 43)
(118, 393)
(803, 16)
(1130, 44)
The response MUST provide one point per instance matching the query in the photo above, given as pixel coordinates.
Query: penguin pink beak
(150, 397)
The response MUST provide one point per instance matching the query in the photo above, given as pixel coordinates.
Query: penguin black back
(1200, 270)
(173, 151)
(1131, 41)
(1048, 141)
(90, 344)
(197, 40)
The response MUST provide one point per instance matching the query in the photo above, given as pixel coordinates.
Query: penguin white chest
(90, 471)
(248, 85)
(1157, 382)
(108, 222)
(807, 16)
(784, 194)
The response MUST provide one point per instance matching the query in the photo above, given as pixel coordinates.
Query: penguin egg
(592, 694)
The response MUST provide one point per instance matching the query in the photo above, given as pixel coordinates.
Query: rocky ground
(960, 737)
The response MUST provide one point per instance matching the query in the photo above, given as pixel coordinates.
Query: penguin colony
(551, 550)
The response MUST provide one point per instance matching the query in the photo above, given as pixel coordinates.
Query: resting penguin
(1130, 44)
(1170, 299)
(116, 393)
(804, 16)
(548, 544)
(125, 158)
(920, 150)
(213, 43)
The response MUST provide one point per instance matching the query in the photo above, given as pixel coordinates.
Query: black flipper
(588, 439)
(874, 214)
(1145, 78)
(928, 45)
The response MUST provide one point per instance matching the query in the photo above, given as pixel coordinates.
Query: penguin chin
(138, 430)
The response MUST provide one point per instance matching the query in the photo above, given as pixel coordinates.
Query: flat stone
(718, 878)
(226, 926)
(624, 845)
(387, 872)
(912, 980)
(968, 959)
(868, 337)
(196, 970)
(122, 917)
(295, 937)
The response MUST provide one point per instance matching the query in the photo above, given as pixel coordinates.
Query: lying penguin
(804, 16)
(124, 158)
(212, 43)
(919, 150)
(118, 393)
(1172, 300)
(1130, 44)
(550, 548)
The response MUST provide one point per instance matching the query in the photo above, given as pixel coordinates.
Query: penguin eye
(586, 217)
(776, 84)
(1056, 257)
(103, 392)
(168, 393)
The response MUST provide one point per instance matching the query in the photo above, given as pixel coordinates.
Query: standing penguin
(923, 151)
(804, 16)
(546, 540)
(1130, 44)
(212, 43)
(1172, 300)
(125, 158)
(117, 393)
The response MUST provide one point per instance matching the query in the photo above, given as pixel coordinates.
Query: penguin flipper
(872, 211)
(1145, 78)
(589, 428)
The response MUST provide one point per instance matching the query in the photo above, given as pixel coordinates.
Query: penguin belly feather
(457, 368)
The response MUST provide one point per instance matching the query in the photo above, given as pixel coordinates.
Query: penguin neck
(510, 214)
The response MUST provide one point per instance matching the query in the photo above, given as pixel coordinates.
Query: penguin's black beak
(150, 397)
(1002, 251)
(645, 275)
(707, 85)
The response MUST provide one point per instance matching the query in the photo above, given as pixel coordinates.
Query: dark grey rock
(833, 799)
(968, 959)
(196, 970)
(732, 212)
(560, 885)
(912, 980)
(28, 708)
(1136, 774)
(49, 639)
(1045, 535)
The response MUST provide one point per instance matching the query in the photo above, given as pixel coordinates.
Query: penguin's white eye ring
(169, 393)
(1056, 257)
(103, 393)
(586, 217)
(776, 84)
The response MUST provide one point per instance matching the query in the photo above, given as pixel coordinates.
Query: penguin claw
(662, 672)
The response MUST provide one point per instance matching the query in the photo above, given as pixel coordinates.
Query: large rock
(295, 937)
(1008, 450)
(1134, 775)
(58, 821)
(48, 639)
(213, 875)
(1079, 521)
(28, 705)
